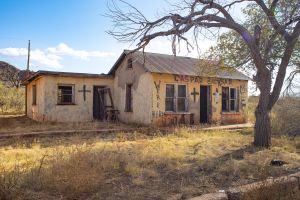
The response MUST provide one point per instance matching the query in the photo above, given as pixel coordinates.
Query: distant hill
(11, 75)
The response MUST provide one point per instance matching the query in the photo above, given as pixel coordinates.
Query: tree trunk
(262, 129)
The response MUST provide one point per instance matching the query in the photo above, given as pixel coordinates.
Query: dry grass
(22, 124)
(138, 166)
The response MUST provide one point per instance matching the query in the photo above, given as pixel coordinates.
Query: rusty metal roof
(169, 64)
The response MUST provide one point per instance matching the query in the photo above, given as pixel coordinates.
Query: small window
(65, 94)
(181, 98)
(129, 63)
(229, 99)
(128, 105)
(170, 97)
(34, 95)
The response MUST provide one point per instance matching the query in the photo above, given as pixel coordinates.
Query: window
(229, 99)
(129, 63)
(170, 97)
(181, 98)
(225, 99)
(34, 95)
(176, 98)
(233, 99)
(128, 105)
(65, 94)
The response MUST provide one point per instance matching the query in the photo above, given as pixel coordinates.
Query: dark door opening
(205, 104)
(98, 103)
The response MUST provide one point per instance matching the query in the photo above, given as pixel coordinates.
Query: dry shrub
(78, 172)
(286, 117)
(10, 182)
(12, 100)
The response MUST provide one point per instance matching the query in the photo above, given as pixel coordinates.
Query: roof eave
(117, 63)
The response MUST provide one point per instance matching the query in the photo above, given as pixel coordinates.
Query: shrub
(286, 117)
(12, 100)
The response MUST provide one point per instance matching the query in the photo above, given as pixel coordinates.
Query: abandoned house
(145, 88)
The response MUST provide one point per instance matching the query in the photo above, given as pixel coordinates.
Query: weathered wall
(141, 93)
(80, 111)
(159, 91)
(36, 111)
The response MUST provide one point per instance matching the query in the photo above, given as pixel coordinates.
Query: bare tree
(196, 15)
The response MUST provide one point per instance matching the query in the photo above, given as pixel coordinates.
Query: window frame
(229, 99)
(59, 102)
(171, 98)
(34, 94)
(234, 99)
(185, 98)
(176, 97)
(128, 99)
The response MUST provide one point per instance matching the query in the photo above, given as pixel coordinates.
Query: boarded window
(65, 94)
(170, 97)
(181, 98)
(34, 95)
(128, 103)
(129, 63)
(229, 99)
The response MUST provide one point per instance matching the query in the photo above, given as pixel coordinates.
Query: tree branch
(270, 14)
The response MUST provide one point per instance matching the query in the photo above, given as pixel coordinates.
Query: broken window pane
(65, 94)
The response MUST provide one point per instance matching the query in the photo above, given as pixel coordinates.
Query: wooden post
(28, 58)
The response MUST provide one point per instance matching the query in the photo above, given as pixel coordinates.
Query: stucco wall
(141, 93)
(80, 111)
(159, 91)
(36, 111)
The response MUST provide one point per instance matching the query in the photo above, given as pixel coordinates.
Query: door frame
(97, 118)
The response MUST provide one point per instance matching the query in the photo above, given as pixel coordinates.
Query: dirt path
(112, 130)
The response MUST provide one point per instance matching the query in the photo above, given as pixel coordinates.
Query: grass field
(138, 165)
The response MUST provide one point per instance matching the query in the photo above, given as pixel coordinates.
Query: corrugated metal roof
(169, 64)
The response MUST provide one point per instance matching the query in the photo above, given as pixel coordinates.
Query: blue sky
(68, 35)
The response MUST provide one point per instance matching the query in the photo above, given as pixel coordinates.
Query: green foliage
(12, 100)
(235, 52)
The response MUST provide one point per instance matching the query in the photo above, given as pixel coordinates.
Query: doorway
(205, 104)
(99, 103)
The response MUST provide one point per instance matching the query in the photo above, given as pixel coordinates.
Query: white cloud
(52, 56)
(64, 50)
